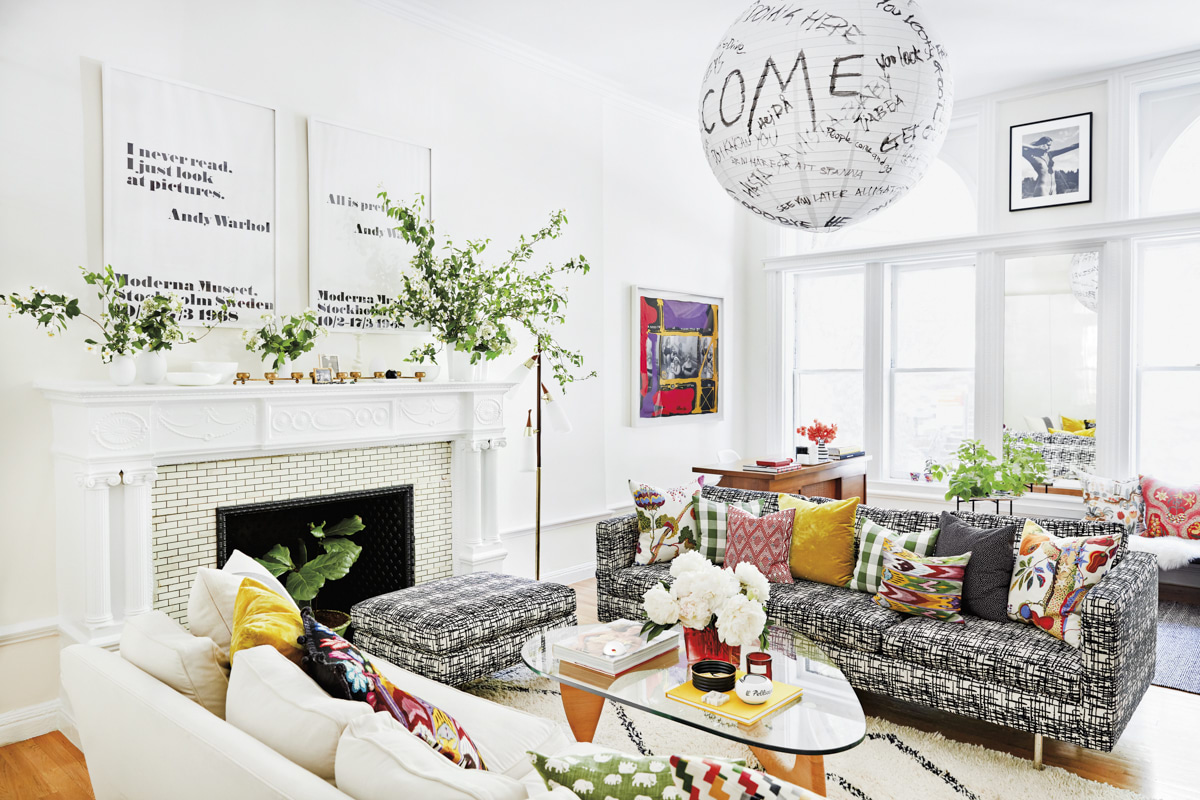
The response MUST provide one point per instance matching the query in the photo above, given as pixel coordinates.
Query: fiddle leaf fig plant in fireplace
(306, 576)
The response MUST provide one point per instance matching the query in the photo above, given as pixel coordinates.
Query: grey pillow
(985, 585)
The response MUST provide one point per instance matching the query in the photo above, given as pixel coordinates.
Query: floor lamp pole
(537, 497)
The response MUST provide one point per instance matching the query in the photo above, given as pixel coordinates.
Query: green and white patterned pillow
(615, 776)
(868, 569)
(604, 775)
(712, 525)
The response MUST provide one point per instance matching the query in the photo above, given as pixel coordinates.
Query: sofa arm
(616, 545)
(1118, 636)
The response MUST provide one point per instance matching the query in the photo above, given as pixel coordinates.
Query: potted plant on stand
(307, 576)
(475, 309)
(721, 610)
(281, 340)
(979, 474)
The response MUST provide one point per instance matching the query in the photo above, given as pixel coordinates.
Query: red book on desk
(773, 462)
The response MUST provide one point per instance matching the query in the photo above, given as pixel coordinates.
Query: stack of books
(773, 466)
(736, 710)
(609, 650)
(845, 451)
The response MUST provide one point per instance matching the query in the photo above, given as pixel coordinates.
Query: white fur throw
(1172, 551)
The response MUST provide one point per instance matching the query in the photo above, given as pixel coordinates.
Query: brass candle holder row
(327, 376)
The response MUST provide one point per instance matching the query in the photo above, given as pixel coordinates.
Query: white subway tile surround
(185, 497)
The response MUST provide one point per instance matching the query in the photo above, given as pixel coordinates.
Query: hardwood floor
(46, 768)
(1156, 755)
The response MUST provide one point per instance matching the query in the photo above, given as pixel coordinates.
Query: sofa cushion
(194, 666)
(822, 539)
(633, 582)
(214, 592)
(1003, 653)
(985, 586)
(377, 759)
(272, 699)
(831, 614)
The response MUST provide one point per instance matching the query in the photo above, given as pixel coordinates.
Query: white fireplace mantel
(109, 440)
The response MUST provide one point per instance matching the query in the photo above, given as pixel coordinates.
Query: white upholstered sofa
(145, 741)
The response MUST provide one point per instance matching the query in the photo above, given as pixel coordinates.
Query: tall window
(931, 378)
(1168, 375)
(827, 370)
(1168, 136)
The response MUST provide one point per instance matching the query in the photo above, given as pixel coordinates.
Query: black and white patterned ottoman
(457, 629)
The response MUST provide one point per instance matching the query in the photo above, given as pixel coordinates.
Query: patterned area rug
(1178, 664)
(894, 763)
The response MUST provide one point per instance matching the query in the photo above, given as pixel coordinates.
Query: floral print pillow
(1108, 500)
(1171, 510)
(665, 524)
(1053, 575)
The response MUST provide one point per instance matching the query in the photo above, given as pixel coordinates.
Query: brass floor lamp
(531, 440)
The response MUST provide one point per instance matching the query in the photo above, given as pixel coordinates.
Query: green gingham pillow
(712, 520)
(868, 570)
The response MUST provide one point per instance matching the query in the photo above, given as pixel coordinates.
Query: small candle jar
(759, 664)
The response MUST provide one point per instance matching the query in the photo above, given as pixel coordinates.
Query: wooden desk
(836, 479)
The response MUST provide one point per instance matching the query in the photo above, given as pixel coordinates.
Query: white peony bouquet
(703, 593)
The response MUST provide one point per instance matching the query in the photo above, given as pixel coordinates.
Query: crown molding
(509, 48)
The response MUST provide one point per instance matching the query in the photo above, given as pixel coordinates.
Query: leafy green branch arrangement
(306, 577)
(284, 339)
(979, 474)
(478, 308)
(123, 330)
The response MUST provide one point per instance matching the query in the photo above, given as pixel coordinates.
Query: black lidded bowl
(726, 672)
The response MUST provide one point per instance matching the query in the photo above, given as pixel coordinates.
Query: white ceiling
(656, 50)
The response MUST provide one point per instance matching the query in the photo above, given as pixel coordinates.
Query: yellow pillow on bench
(822, 539)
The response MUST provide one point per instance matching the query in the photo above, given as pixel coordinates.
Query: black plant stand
(958, 501)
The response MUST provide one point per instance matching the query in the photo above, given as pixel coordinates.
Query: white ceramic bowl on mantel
(224, 370)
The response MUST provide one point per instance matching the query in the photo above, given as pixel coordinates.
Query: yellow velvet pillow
(261, 616)
(822, 539)
(1070, 425)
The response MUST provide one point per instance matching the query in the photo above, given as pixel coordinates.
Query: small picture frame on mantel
(322, 375)
(1050, 163)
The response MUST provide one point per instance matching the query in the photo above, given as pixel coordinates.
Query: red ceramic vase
(705, 643)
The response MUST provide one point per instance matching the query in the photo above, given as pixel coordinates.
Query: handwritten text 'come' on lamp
(816, 117)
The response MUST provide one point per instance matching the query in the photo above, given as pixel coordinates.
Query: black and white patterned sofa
(1008, 673)
(1063, 452)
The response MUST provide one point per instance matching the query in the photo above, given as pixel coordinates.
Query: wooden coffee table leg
(807, 772)
(583, 711)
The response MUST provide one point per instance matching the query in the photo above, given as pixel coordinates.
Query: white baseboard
(577, 572)
(28, 631)
(28, 722)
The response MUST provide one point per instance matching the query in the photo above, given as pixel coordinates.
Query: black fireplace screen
(387, 560)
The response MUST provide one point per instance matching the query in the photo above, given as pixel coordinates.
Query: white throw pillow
(210, 605)
(194, 666)
(272, 699)
(378, 759)
(1036, 425)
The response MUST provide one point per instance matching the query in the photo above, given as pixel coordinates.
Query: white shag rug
(1173, 552)
(894, 763)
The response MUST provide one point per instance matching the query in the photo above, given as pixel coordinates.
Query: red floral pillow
(764, 541)
(1171, 510)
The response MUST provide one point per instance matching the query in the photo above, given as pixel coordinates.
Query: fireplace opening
(387, 561)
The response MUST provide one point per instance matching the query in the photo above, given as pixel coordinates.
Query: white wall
(511, 141)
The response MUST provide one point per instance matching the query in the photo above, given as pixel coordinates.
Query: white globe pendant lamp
(816, 117)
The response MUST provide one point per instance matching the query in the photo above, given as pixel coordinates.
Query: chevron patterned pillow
(710, 779)
(926, 586)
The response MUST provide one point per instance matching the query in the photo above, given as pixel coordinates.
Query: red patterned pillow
(710, 779)
(1171, 510)
(436, 728)
(764, 541)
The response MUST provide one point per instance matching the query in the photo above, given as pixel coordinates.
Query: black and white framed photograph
(329, 363)
(322, 375)
(1050, 163)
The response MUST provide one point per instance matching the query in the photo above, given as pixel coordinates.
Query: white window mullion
(875, 395)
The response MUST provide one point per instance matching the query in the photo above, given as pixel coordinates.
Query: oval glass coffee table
(791, 743)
